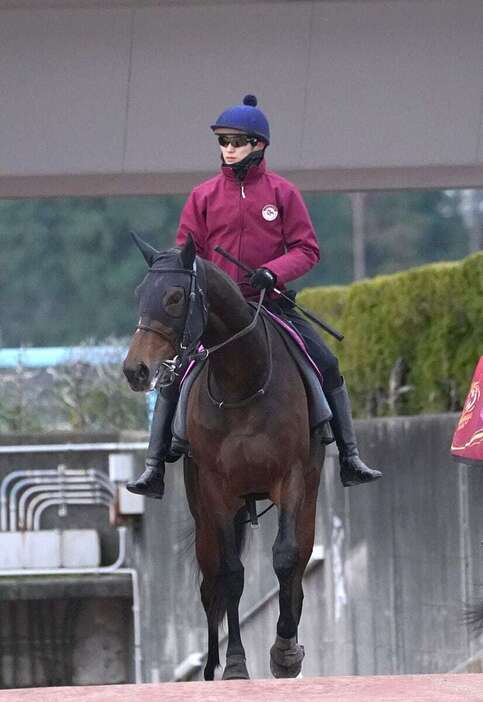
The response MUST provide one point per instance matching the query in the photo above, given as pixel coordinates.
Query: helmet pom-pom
(250, 100)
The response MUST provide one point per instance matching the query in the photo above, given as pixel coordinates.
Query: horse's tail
(473, 617)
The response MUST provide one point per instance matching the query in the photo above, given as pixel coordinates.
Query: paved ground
(404, 688)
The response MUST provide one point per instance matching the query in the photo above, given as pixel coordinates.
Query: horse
(248, 430)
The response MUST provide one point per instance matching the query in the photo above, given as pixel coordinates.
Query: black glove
(262, 278)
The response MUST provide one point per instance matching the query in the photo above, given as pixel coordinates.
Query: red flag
(467, 445)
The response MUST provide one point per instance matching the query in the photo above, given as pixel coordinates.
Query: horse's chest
(248, 463)
(248, 451)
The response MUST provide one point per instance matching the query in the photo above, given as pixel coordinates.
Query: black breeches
(323, 357)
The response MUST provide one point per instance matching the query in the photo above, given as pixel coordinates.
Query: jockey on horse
(261, 219)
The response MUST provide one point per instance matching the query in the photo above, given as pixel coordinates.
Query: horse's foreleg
(305, 532)
(286, 654)
(285, 559)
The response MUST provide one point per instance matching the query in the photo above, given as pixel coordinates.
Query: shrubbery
(78, 396)
(411, 343)
(412, 339)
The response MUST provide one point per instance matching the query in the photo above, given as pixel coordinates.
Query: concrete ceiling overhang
(116, 97)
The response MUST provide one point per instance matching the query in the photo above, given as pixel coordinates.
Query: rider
(262, 220)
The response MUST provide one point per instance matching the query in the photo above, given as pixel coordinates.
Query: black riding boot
(353, 471)
(151, 482)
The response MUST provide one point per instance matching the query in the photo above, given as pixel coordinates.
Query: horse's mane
(172, 257)
(212, 267)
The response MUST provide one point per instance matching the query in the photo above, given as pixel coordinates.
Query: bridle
(188, 340)
(194, 291)
(188, 343)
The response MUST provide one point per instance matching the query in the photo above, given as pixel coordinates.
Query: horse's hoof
(286, 656)
(235, 668)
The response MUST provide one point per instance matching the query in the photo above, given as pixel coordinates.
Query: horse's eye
(173, 301)
(176, 297)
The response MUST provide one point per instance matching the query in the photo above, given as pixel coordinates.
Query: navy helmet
(246, 117)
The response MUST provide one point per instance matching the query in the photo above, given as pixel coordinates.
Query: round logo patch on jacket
(269, 213)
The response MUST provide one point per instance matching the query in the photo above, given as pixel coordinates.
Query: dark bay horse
(247, 425)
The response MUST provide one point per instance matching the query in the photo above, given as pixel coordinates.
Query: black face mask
(156, 289)
(240, 169)
(164, 296)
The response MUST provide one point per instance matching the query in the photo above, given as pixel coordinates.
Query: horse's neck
(241, 363)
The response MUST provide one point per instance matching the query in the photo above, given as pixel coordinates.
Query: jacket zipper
(240, 237)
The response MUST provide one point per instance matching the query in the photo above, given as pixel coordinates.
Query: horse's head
(172, 314)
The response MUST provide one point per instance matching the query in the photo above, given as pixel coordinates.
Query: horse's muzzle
(138, 376)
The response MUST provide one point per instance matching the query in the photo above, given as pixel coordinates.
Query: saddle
(319, 410)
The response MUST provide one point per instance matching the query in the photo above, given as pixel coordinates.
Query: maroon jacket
(262, 222)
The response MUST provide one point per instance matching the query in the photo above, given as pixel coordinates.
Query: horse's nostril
(142, 372)
(128, 372)
(137, 375)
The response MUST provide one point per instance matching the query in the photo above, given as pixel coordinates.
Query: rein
(260, 391)
(187, 346)
(203, 355)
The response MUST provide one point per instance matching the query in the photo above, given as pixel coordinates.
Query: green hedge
(412, 339)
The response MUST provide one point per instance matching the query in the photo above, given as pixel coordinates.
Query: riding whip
(321, 323)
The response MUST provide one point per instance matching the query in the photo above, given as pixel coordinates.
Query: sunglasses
(236, 140)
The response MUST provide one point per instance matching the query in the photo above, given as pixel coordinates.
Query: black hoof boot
(353, 471)
(150, 483)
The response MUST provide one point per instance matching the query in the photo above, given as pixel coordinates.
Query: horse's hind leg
(221, 590)
(232, 579)
(210, 605)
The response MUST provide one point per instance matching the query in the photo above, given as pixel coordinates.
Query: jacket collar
(254, 172)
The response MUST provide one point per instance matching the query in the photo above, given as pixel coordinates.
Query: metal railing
(26, 494)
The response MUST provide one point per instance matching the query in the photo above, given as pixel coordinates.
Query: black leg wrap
(353, 471)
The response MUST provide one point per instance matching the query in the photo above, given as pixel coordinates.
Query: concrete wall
(98, 97)
(402, 556)
(51, 642)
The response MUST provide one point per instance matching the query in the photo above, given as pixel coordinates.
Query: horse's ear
(188, 253)
(148, 251)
